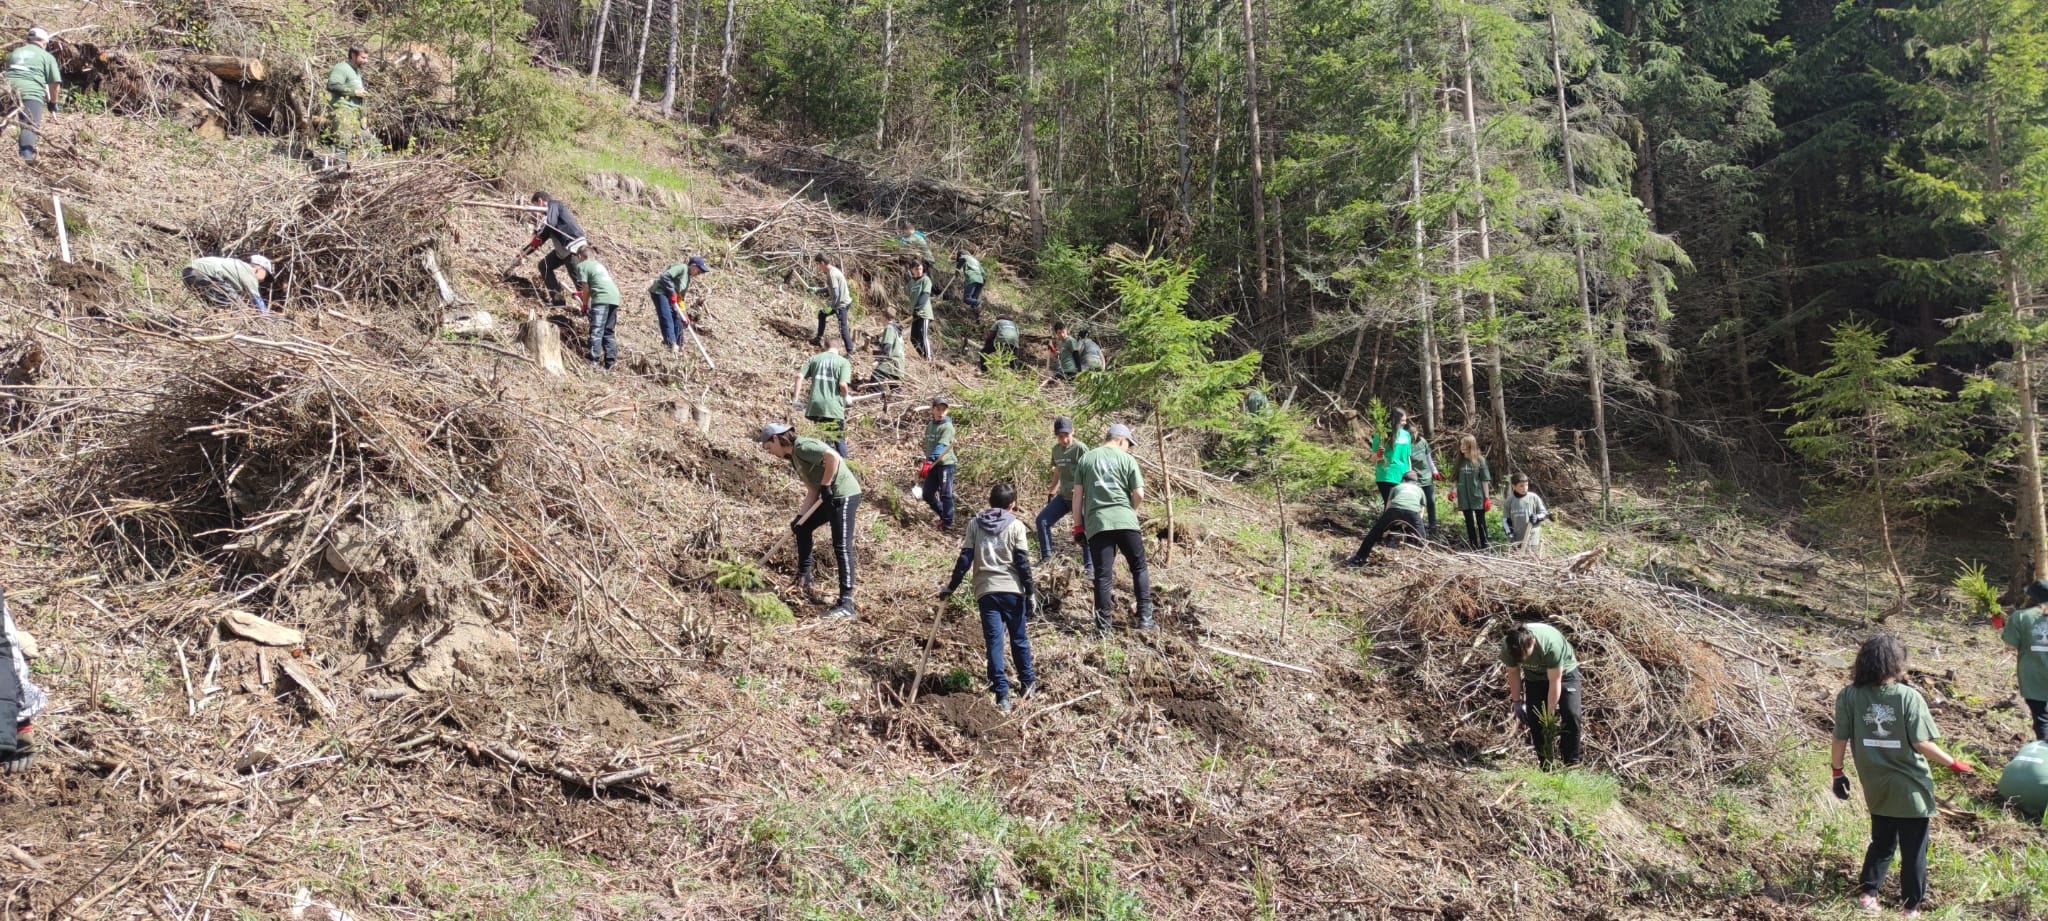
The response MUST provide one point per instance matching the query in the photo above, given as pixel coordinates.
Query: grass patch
(1583, 793)
(768, 609)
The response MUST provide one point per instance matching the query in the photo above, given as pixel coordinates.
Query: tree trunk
(1431, 363)
(640, 55)
(1351, 364)
(690, 80)
(668, 78)
(2032, 501)
(1027, 128)
(888, 54)
(1180, 110)
(1258, 188)
(1286, 564)
(725, 66)
(1589, 327)
(1496, 382)
(604, 17)
(1165, 486)
(1216, 118)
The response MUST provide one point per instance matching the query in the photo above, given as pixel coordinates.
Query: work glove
(1539, 519)
(1961, 767)
(52, 106)
(1486, 504)
(1522, 714)
(1998, 621)
(1080, 531)
(924, 470)
(1841, 786)
(261, 304)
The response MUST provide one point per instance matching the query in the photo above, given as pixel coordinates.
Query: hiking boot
(1101, 626)
(1354, 561)
(1003, 703)
(843, 610)
(1145, 622)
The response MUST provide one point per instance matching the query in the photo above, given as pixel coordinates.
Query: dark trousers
(31, 126)
(1392, 522)
(1005, 613)
(834, 429)
(10, 698)
(845, 331)
(1386, 490)
(1429, 503)
(548, 264)
(921, 336)
(2039, 710)
(670, 318)
(1475, 527)
(938, 491)
(970, 293)
(604, 340)
(1909, 838)
(1102, 551)
(1570, 713)
(836, 513)
(213, 293)
(1055, 509)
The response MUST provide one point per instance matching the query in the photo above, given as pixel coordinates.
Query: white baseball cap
(39, 34)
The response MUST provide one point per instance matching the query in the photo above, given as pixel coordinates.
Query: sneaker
(1353, 562)
(1003, 703)
(1146, 624)
(841, 611)
(1912, 912)
(1026, 689)
(1867, 902)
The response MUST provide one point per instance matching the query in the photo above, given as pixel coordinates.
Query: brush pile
(1675, 686)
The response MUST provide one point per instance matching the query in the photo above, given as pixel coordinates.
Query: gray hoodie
(997, 539)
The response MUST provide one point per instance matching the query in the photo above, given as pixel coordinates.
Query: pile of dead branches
(365, 238)
(1675, 686)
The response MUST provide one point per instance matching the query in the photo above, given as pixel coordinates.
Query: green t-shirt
(1255, 402)
(940, 432)
(1109, 477)
(826, 371)
(591, 273)
(1406, 497)
(970, 269)
(227, 271)
(919, 290)
(1068, 348)
(1088, 355)
(673, 280)
(1006, 334)
(1067, 460)
(1394, 462)
(1474, 482)
(1881, 725)
(891, 361)
(918, 241)
(31, 71)
(808, 457)
(2026, 779)
(345, 86)
(2027, 631)
(1552, 650)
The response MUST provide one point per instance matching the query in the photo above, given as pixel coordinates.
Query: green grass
(768, 609)
(1579, 792)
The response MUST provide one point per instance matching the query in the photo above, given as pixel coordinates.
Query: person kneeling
(1402, 518)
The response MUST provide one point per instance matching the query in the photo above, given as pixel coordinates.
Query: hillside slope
(510, 588)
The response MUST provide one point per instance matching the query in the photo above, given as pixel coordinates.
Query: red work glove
(1079, 531)
(924, 470)
(1486, 505)
(1961, 767)
(1454, 495)
(1998, 621)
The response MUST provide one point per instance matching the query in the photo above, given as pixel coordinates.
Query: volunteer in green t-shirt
(600, 296)
(889, 359)
(1401, 518)
(831, 496)
(1060, 499)
(939, 462)
(2027, 634)
(838, 302)
(1003, 336)
(345, 102)
(1887, 725)
(1473, 491)
(917, 286)
(1390, 452)
(2025, 781)
(972, 278)
(226, 282)
(1111, 488)
(1065, 351)
(31, 72)
(1541, 666)
(823, 388)
(669, 291)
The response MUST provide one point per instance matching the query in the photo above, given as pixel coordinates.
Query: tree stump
(543, 342)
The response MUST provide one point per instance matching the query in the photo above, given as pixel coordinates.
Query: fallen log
(226, 67)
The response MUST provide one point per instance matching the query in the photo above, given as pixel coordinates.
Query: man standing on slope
(838, 301)
(33, 77)
(996, 549)
(940, 462)
(1066, 461)
(667, 292)
(1111, 489)
(219, 281)
(345, 101)
(600, 298)
(831, 497)
(823, 387)
(2026, 634)
(559, 229)
(972, 278)
(918, 287)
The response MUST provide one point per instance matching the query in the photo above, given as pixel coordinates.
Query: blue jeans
(970, 294)
(1055, 509)
(938, 491)
(31, 126)
(604, 340)
(1004, 612)
(669, 317)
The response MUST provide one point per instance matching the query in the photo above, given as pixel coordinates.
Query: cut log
(543, 342)
(226, 67)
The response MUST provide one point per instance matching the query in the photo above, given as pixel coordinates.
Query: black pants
(1392, 521)
(1570, 713)
(10, 698)
(2039, 710)
(1429, 504)
(1475, 527)
(548, 264)
(845, 331)
(921, 336)
(1386, 490)
(1102, 551)
(1909, 838)
(838, 514)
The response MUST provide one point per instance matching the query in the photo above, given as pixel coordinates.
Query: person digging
(1111, 488)
(823, 387)
(668, 292)
(1003, 338)
(600, 298)
(31, 75)
(831, 496)
(996, 548)
(838, 302)
(889, 355)
(1542, 666)
(228, 283)
(972, 278)
(559, 231)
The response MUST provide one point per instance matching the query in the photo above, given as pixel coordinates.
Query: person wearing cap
(918, 287)
(831, 497)
(2026, 634)
(2024, 783)
(824, 386)
(220, 281)
(838, 302)
(559, 230)
(1059, 500)
(1003, 336)
(972, 278)
(889, 359)
(668, 291)
(20, 699)
(32, 73)
(939, 462)
(996, 548)
(599, 296)
(1111, 488)
(345, 101)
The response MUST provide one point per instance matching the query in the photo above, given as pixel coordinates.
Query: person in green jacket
(1004, 337)
(32, 73)
(345, 96)
(1474, 490)
(668, 292)
(1887, 725)
(2026, 634)
(1390, 452)
(600, 298)
(1401, 518)
(1542, 666)
(219, 281)
(2025, 781)
(1061, 498)
(918, 288)
(917, 241)
(972, 278)
(1064, 348)
(831, 497)
(939, 462)
(889, 358)
(823, 388)
(1111, 487)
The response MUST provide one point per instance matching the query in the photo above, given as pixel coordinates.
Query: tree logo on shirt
(1878, 716)
(2041, 632)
